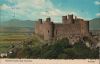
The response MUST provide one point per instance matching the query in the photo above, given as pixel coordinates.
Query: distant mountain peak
(18, 23)
(94, 24)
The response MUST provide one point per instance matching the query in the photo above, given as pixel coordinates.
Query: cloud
(11, 1)
(98, 14)
(30, 3)
(52, 12)
(37, 7)
(27, 8)
(34, 9)
(4, 7)
(97, 2)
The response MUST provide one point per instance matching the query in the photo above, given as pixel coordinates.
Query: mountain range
(94, 24)
(16, 25)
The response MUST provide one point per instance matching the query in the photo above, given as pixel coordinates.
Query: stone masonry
(71, 27)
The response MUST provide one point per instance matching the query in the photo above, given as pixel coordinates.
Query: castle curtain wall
(66, 30)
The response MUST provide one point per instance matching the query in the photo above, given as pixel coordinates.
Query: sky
(35, 9)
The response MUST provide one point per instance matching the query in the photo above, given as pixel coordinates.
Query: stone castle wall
(72, 28)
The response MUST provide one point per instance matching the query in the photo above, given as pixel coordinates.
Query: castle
(71, 27)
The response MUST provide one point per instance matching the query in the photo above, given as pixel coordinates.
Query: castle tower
(67, 20)
(38, 26)
(40, 21)
(64, 19)
(48, 19)
(84, 27)
(49, 28)
(70, 19)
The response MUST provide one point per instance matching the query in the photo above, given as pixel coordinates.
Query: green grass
(4, 47)
(13, 36)
(7, 39)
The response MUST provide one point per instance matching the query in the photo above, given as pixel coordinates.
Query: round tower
(49, 28)
(37, 26)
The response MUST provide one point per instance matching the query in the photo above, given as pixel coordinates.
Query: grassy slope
(8, 39)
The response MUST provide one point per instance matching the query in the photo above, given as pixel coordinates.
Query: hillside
(15, 25)
(95, 24)
(60, 49)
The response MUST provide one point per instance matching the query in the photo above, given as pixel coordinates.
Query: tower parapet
(64, 19)
(68, 19)
(40, 21)
(48, 19)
